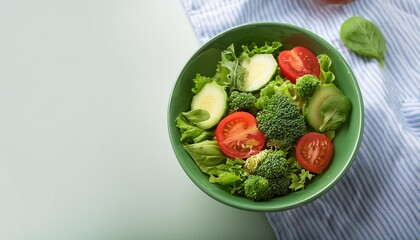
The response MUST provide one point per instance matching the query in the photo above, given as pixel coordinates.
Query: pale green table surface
(84, 151)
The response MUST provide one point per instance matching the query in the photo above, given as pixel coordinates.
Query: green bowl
(346, 143)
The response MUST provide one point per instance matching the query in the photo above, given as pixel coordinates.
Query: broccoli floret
(241, 101)
(274, 165)
(306, 85)
(279, 186)
(281, 122)
(257, 188)
(252, 163)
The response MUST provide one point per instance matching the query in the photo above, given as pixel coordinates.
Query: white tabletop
(84, 147)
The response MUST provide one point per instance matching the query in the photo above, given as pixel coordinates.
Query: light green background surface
(84, 151)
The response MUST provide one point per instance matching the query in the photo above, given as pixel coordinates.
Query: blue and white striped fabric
(379, 196)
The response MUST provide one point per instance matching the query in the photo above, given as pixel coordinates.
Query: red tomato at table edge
(238, 136)
(297, 62)
(314, 151)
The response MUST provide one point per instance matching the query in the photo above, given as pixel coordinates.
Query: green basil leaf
(334, 111)
(196, 115)
(364, 38)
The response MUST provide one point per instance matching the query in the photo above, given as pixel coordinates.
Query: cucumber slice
(213, 99)
(313, 106)
(259, 69)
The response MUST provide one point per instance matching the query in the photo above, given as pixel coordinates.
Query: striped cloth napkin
(379, 196)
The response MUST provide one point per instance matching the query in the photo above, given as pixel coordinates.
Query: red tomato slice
(238, 136)
(314, 151)
(298, 62)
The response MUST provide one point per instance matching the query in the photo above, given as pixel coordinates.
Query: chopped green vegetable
(253, 162)
(259, 70)
(363, 37)
(306, 85)
(279, 186)
(281, 122)
(257, 188)
(213, 99)
(274, 165)
(241, 101)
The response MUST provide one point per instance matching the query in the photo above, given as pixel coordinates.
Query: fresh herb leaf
(334, 111)
(196, 115)
(363, 37)
(229, 72)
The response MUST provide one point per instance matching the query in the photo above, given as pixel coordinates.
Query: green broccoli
(274, 165)
(241, 101)
(257, 188)
(279, 186)
(252, 163)
(306, 85)
(281, 122)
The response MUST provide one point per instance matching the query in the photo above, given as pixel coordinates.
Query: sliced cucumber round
(313, 106)
(259, 70)
(213, 99)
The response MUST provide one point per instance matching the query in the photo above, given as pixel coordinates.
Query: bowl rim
(266, 206)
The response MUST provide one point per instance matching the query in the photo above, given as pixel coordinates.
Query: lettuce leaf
(206, 154)
(278, 86)
(252, 49)
(199, 82)
(299, 180)
(230, 175)
(326, 75)
(298, 176)
(190, 133)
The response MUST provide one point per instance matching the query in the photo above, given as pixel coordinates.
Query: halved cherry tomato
(238, 136)
(298, 62)
(314, 151)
